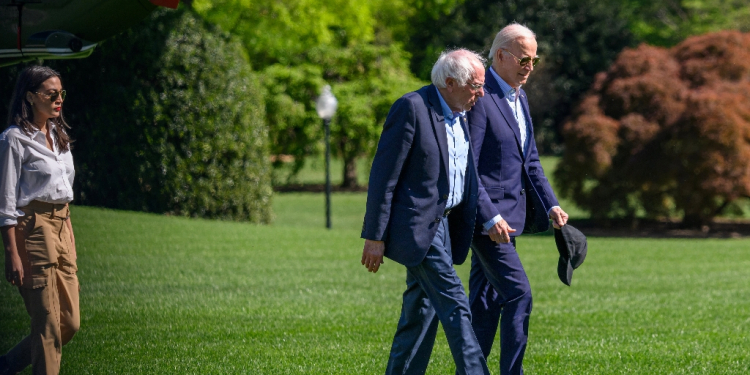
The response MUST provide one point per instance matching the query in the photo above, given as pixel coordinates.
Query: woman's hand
(13, 265)
(13, 269)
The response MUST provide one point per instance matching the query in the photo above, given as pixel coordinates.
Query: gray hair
(508, 35)
(460, 64)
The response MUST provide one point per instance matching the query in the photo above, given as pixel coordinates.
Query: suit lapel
(438, 124)
(470, 168)
(529, 125)
(502, 104)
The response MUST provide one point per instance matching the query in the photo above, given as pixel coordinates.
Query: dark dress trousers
(514, 186)
(406, 200)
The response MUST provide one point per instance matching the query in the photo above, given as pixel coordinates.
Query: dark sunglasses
(525, 61)
(53, 96)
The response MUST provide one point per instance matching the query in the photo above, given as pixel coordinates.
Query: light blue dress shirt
(511, 95)
(458, 152)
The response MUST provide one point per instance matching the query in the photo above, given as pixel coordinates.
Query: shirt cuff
(492, 222)
(5, 221)
(550, 210)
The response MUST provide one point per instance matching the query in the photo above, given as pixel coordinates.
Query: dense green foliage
(290, 109)
(301, 45)
(668, 22)
(168, 117)
(367, 79)
(164, 295)
(283, 31)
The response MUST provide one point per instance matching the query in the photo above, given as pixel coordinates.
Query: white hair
(505, 38)
(460, 64)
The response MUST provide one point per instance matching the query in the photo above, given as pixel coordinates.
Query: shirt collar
(40, 138)
(509, 92)
(447, 112)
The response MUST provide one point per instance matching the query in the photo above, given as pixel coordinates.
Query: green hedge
(168, 117)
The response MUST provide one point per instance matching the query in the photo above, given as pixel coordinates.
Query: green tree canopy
(301, 45)
(276, 31)
(668, 22)
(367, 79)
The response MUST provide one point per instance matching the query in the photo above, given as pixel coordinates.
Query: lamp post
(326, 107)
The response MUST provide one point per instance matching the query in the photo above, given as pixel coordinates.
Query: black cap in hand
(572, 246)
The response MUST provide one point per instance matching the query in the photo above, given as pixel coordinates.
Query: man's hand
(372, 255)
(559, 217)
(500, 232)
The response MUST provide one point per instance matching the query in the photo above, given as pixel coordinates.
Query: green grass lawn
(313, 172)
(165, 295)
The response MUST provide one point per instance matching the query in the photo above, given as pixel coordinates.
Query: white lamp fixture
(326, 104)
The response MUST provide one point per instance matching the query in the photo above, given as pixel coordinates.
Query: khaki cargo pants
(50, 287)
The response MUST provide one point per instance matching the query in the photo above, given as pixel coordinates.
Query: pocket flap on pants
(38, 278)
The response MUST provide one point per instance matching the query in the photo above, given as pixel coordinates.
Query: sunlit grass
(165, 295)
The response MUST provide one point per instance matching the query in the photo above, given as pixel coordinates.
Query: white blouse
(30, 171)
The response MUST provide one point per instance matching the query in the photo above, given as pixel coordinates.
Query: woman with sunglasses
(36, 185)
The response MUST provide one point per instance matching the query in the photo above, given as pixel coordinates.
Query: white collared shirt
(30, 171)
(511, 95)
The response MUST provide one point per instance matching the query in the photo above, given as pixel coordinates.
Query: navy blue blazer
(502, 167)
(408, 188)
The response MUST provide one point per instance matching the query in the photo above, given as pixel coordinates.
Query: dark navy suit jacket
(502, 167)
(408, 188)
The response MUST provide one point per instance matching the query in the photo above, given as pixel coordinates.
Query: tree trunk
(350, 174)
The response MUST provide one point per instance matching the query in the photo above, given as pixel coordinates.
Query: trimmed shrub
(664, 130)
(168, 117)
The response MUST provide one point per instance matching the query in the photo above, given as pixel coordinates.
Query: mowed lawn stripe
(185, 296)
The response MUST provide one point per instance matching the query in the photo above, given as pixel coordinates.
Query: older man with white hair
(421, 207)
(513, 194)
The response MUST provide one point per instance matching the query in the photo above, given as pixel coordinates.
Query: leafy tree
(276, 31)
(367, 79)
(577, 39)
(168, 117)
(300, 45)
(667, 22)
(290, 107)
(279, 31)
(663, 130)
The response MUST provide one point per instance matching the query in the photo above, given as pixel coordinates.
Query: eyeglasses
(526, 60)
(53, 96)
(476, 86)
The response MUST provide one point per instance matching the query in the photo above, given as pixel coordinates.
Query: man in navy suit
(421, 209)
(514, 194)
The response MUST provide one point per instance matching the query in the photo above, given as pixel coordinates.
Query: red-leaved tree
(663, 130)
